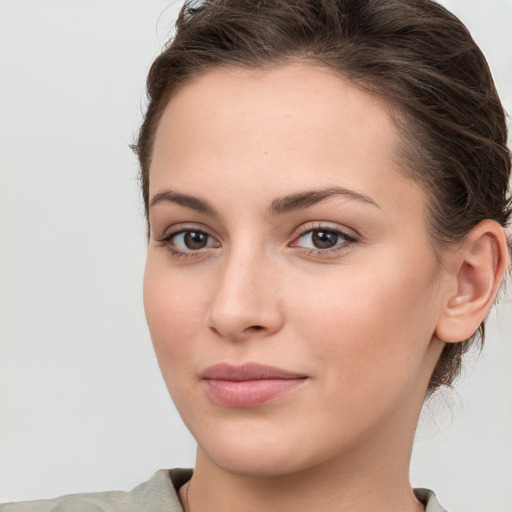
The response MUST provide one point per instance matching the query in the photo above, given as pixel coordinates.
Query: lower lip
(248, 393)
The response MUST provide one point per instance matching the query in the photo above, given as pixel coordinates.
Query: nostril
(255, 328)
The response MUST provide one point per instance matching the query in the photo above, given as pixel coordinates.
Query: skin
(358, 320)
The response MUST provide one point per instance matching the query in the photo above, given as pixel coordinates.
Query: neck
(371, 476)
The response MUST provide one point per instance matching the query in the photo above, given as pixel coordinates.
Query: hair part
(413, 54)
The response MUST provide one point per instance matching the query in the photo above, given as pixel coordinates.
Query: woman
(326, 187)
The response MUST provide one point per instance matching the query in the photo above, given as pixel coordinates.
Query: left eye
(323, 239)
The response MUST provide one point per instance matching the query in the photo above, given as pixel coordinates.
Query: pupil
(195, 240)
(324, 239)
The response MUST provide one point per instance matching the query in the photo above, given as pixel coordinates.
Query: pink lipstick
(248, 385)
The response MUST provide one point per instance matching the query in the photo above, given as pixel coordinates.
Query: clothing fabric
(159, 494)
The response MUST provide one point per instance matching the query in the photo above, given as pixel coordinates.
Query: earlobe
(479, 266)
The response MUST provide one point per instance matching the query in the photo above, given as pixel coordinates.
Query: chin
(258, 451)
(257, 462)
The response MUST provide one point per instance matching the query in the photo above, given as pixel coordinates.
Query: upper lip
(247, 371)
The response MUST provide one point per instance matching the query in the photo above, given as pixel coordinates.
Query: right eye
(187, 241)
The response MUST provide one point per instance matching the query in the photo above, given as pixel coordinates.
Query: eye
(185, 242)
(192, 240)
(323, 239)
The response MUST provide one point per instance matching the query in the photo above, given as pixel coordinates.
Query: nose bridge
(246, 300)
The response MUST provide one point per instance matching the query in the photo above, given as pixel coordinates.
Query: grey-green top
(159, 494)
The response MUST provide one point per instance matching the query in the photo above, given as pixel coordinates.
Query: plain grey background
(82, 404)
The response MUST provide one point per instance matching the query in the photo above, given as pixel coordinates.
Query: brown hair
(414, 54)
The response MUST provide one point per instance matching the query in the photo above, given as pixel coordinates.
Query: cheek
(174, 304)
(371, 329)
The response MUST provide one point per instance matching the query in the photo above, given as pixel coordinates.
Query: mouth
(248, 385)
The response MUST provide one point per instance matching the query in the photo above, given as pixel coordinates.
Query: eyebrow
(194, 203)
(310, 197)
(277, 207)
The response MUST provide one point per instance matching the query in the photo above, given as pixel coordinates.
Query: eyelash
(343, 242)
(166, 241)
(347, 241)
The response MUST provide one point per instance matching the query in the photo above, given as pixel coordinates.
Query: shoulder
(158, 493)
(429, 498)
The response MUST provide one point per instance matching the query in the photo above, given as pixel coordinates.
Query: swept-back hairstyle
(413, 54)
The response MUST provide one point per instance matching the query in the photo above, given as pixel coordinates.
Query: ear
(475, 274)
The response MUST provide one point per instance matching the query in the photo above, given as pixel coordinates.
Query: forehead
(294, 102)
(271, 129)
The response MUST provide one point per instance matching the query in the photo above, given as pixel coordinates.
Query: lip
(248, 385)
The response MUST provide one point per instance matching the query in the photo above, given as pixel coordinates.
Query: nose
(246, 302)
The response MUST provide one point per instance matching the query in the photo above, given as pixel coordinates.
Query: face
(291, 289)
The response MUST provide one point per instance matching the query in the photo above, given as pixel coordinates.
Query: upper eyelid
(326, 225)
(298, 232)
(325, 228)
(181, 228)
(346, 237)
